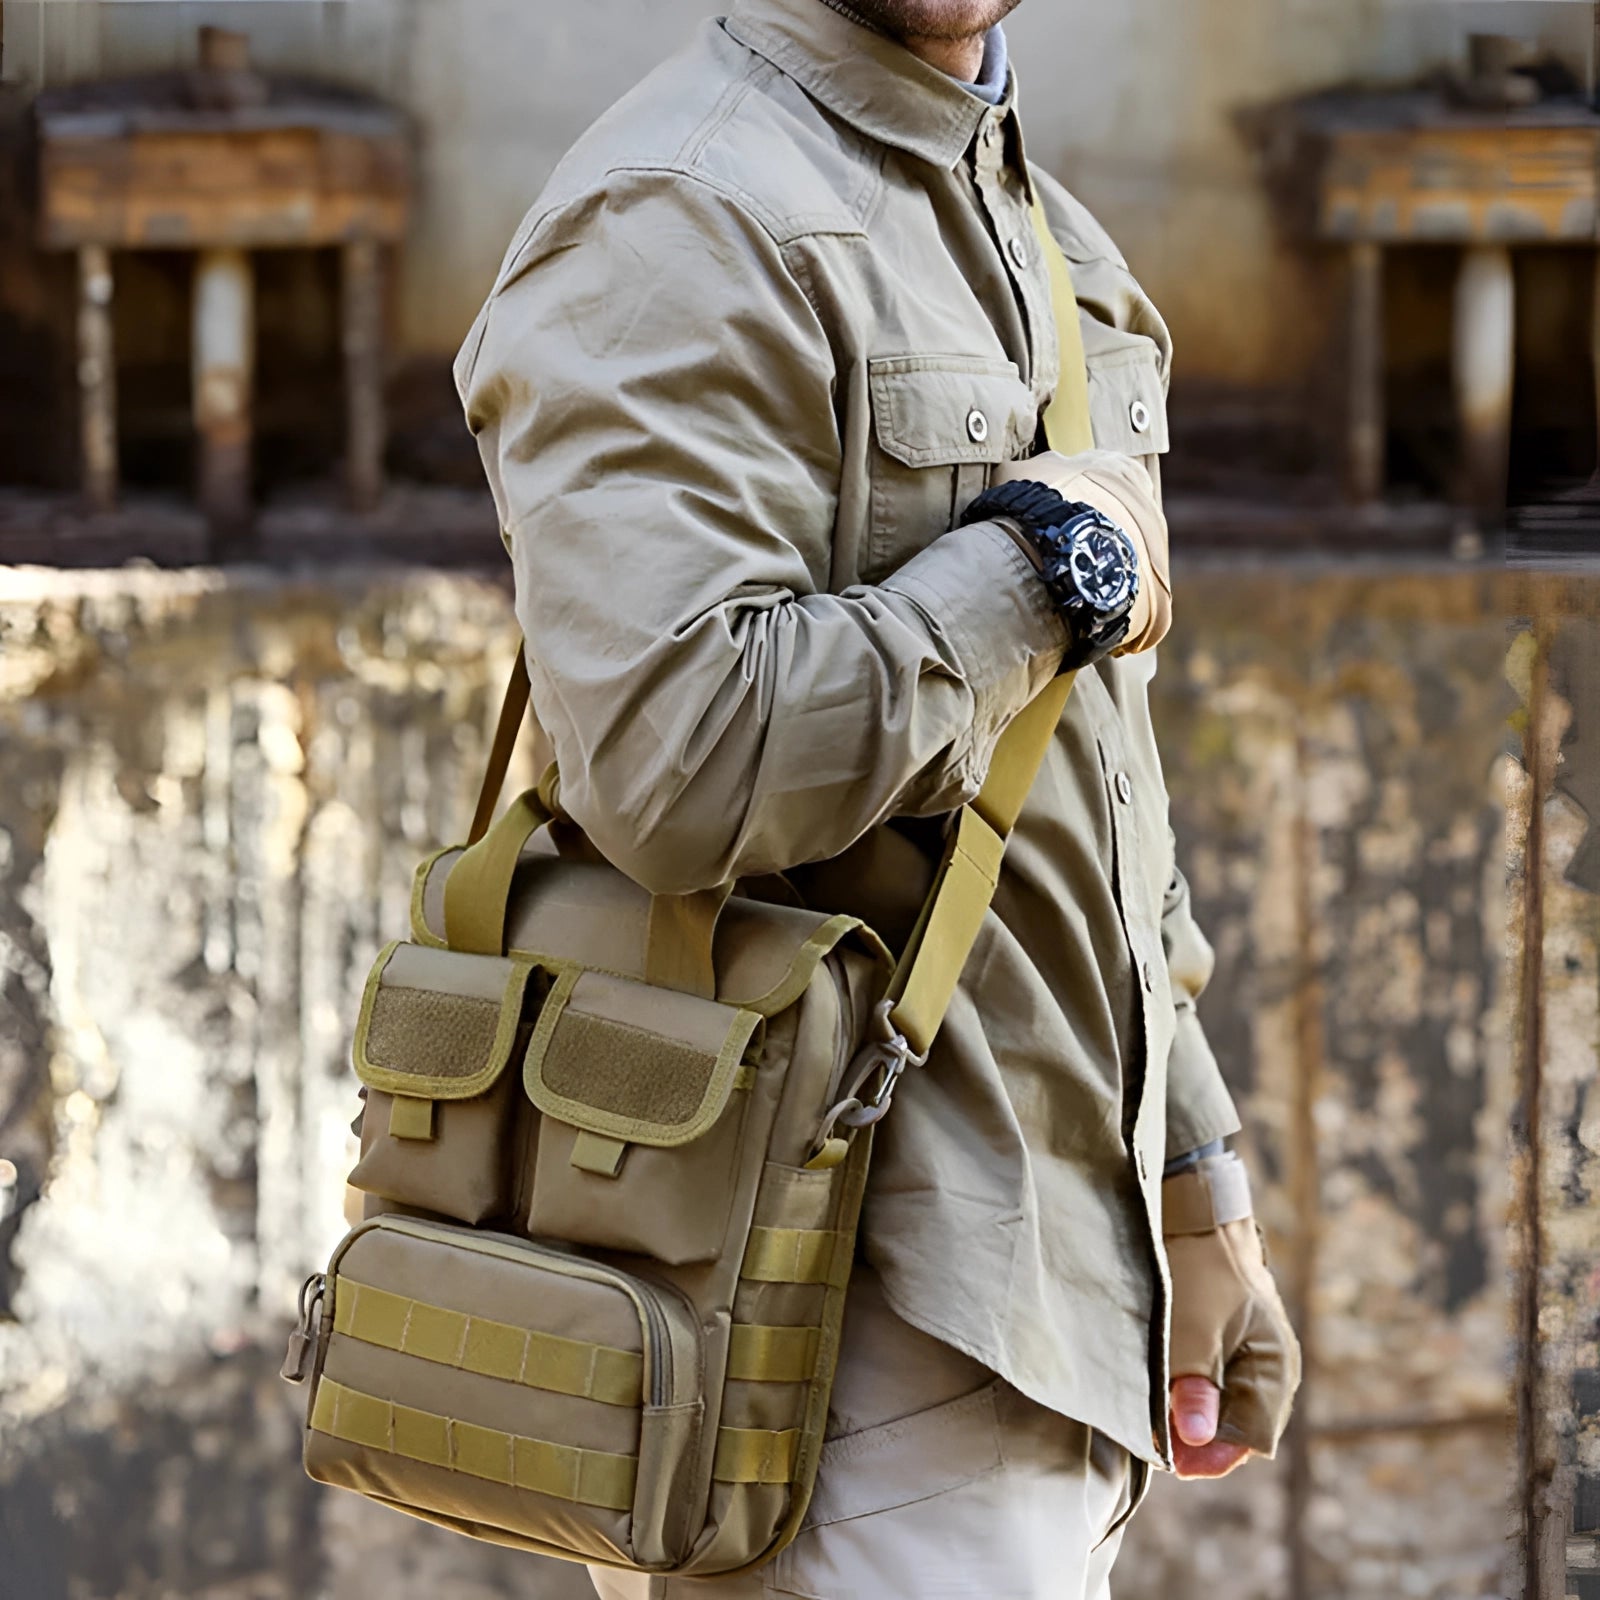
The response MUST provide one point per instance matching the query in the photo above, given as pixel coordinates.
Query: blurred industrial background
(254, 619)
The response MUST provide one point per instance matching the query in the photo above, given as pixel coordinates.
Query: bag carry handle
(681, 930)
(682, 927)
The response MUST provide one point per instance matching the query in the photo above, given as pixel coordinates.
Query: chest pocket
(941, 424)
(1127, 398)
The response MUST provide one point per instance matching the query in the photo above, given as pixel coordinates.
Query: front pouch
(511, 1391)
(644, 1095)
(436, 1033)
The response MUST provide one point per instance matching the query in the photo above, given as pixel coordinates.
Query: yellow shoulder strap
(1066, 418)
(930, 966)
(925, 981)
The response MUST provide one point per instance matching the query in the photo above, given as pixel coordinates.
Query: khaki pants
(938, 1480)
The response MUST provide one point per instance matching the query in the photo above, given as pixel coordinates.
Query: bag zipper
(652, 1319)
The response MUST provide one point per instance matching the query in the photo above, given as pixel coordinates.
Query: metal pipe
(97, 377)
(1485, 349)
(224, 363)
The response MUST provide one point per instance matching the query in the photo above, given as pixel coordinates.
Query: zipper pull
(297, 1359)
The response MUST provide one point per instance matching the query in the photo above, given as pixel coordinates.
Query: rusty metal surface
(1410, 167)
(218, 155)
(249, 188)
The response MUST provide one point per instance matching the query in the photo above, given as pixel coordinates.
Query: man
(776, 324)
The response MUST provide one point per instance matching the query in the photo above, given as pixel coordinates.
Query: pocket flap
(438, 1024)
(646, 1065)
(1127, 408)
(940, 411)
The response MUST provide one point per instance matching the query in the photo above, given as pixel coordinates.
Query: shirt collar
(871, 81)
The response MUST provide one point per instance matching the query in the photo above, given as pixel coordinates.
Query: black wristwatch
(1088, 564)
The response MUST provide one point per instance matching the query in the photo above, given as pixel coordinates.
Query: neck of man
(960, 58)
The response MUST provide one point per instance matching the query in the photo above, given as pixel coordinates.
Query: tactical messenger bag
(612, 1152)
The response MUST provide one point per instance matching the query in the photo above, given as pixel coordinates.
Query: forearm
(756, 732)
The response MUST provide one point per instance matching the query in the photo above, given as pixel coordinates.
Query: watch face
(1101, 565)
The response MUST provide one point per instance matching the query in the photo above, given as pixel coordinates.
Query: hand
(1234, 1357)
(1121, 488)
(1197, 1452)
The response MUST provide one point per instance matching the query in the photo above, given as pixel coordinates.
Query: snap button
(1139, 416)
(1124, 788)
(977, 426)
(1019, 251)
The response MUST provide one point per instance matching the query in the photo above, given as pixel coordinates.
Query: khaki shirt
(773, 323)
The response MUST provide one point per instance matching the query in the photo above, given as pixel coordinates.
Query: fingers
(1196, 1403)
(1214, 1460)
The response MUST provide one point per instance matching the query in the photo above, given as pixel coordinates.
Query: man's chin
(933, 19)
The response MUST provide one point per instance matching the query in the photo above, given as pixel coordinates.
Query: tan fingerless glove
(1120, 487)
(1228, 1322)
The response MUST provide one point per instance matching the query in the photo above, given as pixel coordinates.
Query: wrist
(1205, 1197)
(1088, 563)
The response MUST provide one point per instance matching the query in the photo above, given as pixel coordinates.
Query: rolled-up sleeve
(1199, 1106)
(653, 396)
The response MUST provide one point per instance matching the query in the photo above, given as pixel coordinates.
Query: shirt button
(1148, 976)
(1019, 251)
(1139, 416)
(977, 426)
(1124, 788)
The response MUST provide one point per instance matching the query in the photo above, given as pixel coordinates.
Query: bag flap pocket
(438, 1024)
(631, 1062)
(1127, 404)
(942, 411)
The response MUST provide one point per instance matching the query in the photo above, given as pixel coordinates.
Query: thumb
(1195, 1403)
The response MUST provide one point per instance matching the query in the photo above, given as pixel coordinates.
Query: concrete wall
(1132, 104)
(215, 789)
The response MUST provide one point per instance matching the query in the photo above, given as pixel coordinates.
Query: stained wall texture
(215, 788)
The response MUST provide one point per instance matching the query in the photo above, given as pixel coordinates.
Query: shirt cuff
(992, 605)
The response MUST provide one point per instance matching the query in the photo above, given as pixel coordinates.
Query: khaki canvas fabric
(776, 319)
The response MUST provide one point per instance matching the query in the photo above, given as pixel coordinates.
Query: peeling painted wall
(215, 789)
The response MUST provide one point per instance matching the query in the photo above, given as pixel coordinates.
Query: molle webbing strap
(797, 1255)
(585, 1477)
(760, 1354)
(755, 1455)
(1066, 419)
(490, 1349)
